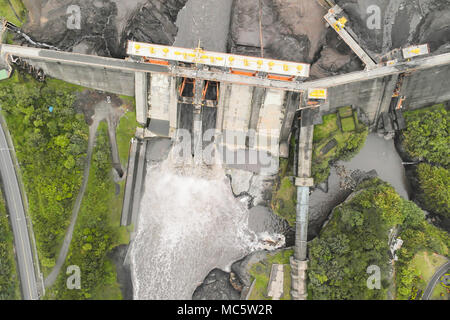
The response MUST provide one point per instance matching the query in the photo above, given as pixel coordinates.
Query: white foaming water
(189, 224)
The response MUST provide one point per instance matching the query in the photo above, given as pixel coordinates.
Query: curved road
(434, 280)
(18, 222)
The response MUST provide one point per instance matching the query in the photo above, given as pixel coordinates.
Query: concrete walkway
(303, 181)
(74, 59)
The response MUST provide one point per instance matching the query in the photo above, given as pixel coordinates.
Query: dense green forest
(427, 138)
(434, 183)
(418, 235)
(357, 236)
(9, 282)
(50, 139)
(50, 146)
(96, 233)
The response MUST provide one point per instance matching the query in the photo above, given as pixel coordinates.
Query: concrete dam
(254, 107)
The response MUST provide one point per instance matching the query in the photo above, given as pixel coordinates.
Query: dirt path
(103, 110)
(76, 208)
(112, 121)
(14, 11)
(34, 11)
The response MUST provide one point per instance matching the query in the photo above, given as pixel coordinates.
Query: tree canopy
(427, 134)
(51, 149)
(357, 237)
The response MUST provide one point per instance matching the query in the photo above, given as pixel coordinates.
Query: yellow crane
(340, 24)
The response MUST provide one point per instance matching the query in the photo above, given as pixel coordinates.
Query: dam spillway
(189, 223)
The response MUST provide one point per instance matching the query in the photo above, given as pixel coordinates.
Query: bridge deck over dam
(426, 78)
(250, 108)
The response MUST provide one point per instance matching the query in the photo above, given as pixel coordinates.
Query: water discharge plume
(189, 223)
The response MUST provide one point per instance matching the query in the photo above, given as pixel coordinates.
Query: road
(18, 222)
(435, 280)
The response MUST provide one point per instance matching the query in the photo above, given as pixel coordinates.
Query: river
(381, 155)
(377, 154)
(189, 223)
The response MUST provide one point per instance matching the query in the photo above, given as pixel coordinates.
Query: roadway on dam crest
(18, 222)
(128, 66)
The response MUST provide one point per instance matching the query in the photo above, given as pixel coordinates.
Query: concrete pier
(134, 182)
(162, 100)
(127, 198)
(298, 275)
(301, 224)
(303, 181)
(139, 181)
(275, 287)
(292, 104)
(257, 101)
(141, 85)
(197, 139)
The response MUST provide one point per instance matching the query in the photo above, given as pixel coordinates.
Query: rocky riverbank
(256, 191)
(235, 285)
(105, 25)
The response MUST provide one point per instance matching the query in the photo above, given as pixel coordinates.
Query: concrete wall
(421, 88)
(366, 95)
(270, 121)
(109, 80)
(162, 101)
(426, 87)
(141, 85)
(134, 182)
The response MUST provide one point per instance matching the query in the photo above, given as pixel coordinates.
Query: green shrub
(357, 236)
(9, 283)
(348, 144)
(94, 234)
(345, 111)
(435, 184)
(348, 124)
(51, 149)
(427, 134)
(9, 9)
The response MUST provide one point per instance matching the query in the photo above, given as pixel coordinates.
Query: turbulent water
(189, 224)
